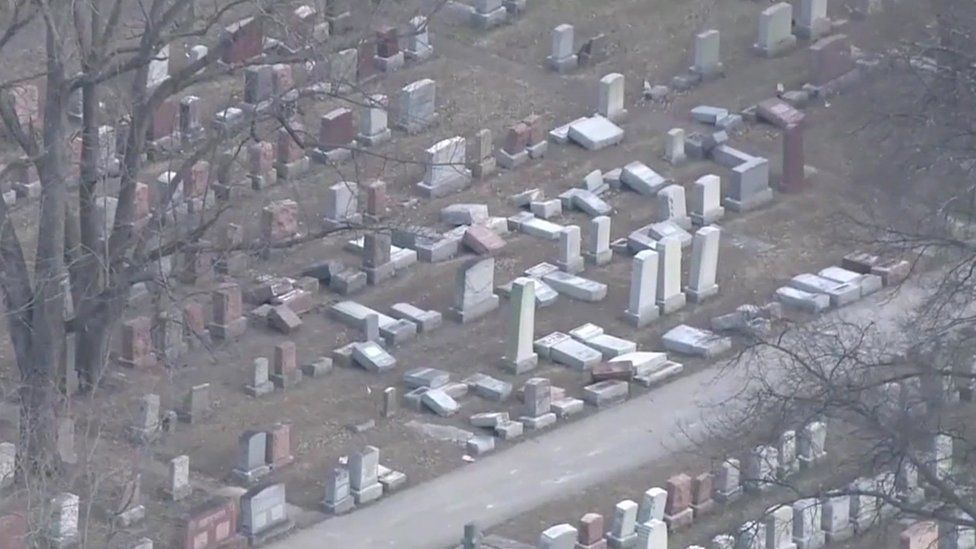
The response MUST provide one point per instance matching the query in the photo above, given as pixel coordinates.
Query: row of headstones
(262, 513)
(362, 481)
(859, 275)
(686, 499)
(813, 522)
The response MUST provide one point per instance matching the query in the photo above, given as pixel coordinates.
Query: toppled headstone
(688, 340)
(595, 133)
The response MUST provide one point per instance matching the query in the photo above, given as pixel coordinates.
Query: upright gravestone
(285, 372)
(641, 305)
(708, 62)
(377, 259)
(373, 121)
(776, 30)
(146, 424)
(560, 536)
(62, 528)
(342, 205)
(519, 356)
(749, 187)
(704, 264)
(336, 136)
(674, 147)
(727, 485)
(669, 295)
(211, 524)
(228, 318)
(570, 260)
(418, 41)
(137, 343)
(259, 382)
(598, 251)
(706, 200)
(417, 106)
(474, 295)
(264, 513)
(610, 101)
(622, 534)
(488, 14)
(363, 475)
(812, 22)
(196, 405)
(179, 478)
(252, 455)
(794, 174)
(671, 206)
(445, 169)
(290, 158)
(338, 499)
(278, 452)
(260, 163)
(343, 66)
(563, 56)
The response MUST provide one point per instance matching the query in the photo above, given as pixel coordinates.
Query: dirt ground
(491, 80)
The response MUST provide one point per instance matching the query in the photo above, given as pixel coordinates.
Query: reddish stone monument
(677, 509)
(137, 343)
(228, 320)
(13, 530)
(591, 532)
(377, 200)
(794, 177)
(336, 129)
(284, 370)
(279, 220)
(517, 138)
(212, 525)
(921, 535)
(278, 453)
(701, 494)
(830, 58)
(244, 40)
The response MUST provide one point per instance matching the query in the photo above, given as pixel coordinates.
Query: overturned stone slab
(439, 402)
(426, 321)
(693, 341)
(595, 133)
(432, 378)
(606, 393)
(642, 179)
(840, 293)
(543, 346)
(805, 301)
(575, 354)
(373, 358)
(576, 287)
(489, 388)
(649, 368)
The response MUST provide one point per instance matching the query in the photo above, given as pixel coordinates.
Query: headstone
(598, 250)
(290, 159)
(445, 170)
(137, 343)
(830, 59)
(652, 535)
(488, 14)
(259, 382)
(388, 56)
(836, 518)
(563, 56)
(260, 159)
(336, 136)
(751, 535)
(481, 160)
(674, 147)
(775, 30)
(642, 308)
(258, 87)
(146, 423)
(264, 513)
(920, 535)
(377, 261)
(279, 221)
(338, 499)
(708, 62)
(671, 206)
(212, 524)
(196, 404)
(788, 462)
(278, 451)
(389, 402)
(811, 444)
(669, 295)
(779, 527)
(591, 532)
(610, 103)
(519, 357)
(373, 121)
(377, 200)
(228, 319)
(474, 295)
(363, 470)
(179, 478)
(678, 513)
(806, 524)
(570, 259)
(418, 47)
(243, 40)
(62, 528)
(749, 187)
(252, 450)
(623, 533)
(342, 205)
(812, 21)
(761, 465)
(561, 536)
(416, 106)
(702, 501)
(537, 394)
(652, 505)
(704, 264)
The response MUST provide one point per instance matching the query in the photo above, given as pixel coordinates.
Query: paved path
(557, 464)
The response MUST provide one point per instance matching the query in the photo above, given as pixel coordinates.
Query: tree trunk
(38, 455)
